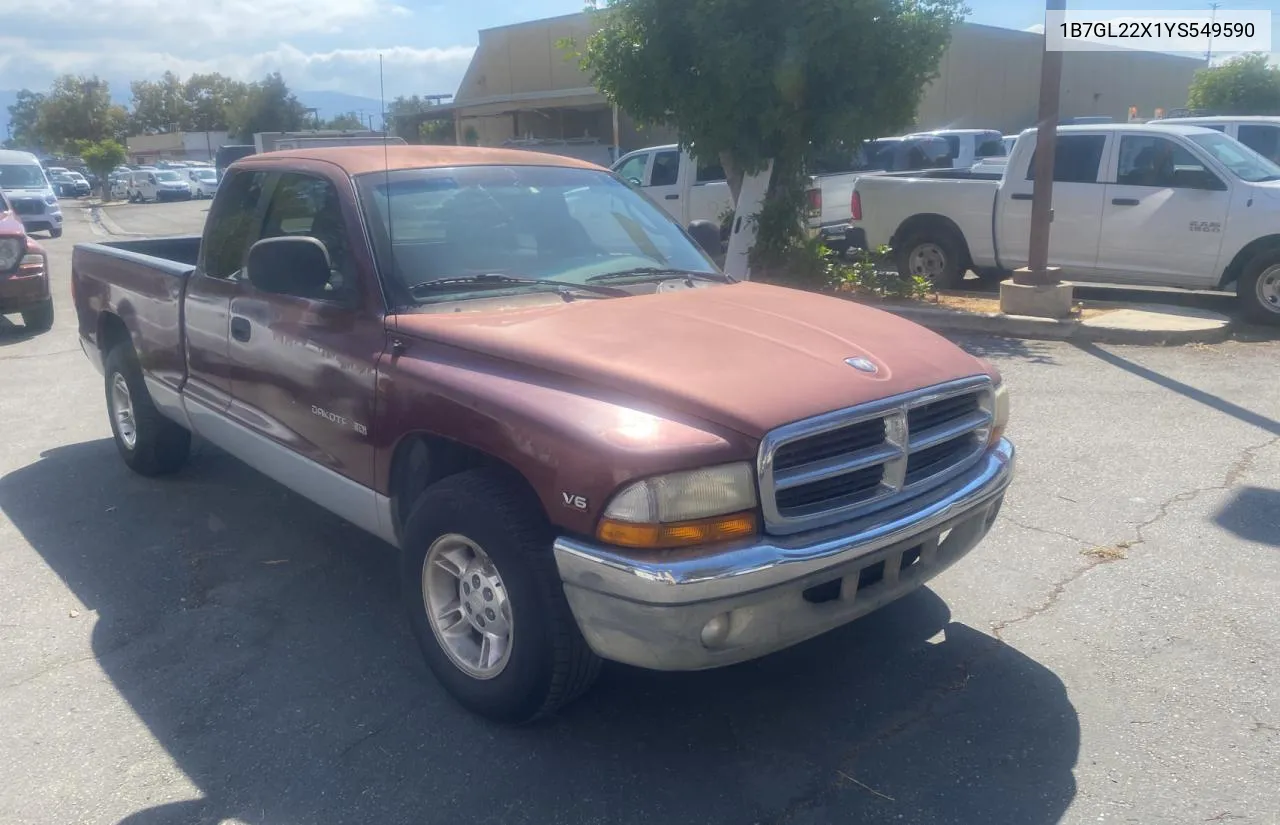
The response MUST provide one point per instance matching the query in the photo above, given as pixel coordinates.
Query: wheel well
(111, 331)
(1234, 269)
(422, 459)
(936, 224)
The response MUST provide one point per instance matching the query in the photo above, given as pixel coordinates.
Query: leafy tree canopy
(101, 157)
(750, 80)
(24, 118)
(1245, 85)
(78, 108)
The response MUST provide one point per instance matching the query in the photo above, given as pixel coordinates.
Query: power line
(1208, 55)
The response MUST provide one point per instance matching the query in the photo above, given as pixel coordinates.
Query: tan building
(144, 149)
(520, 86)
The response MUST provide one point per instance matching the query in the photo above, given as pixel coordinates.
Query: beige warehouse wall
(990, 78)
(524, 58)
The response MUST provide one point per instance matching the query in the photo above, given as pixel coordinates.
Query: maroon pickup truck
(585, 441)
(24, 273)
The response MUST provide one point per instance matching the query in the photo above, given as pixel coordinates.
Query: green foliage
(160, 106)
(751, 80)
(24, 117)
(1244, 85)
(437, 132)
(871, 272)
(101, 157)
(470, 137)
(78, 108)
(268, 106)
(349, 121)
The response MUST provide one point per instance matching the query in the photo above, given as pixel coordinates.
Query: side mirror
(707, 236)
(292, 265)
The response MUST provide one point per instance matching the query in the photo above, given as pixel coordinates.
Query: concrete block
(1048, 301)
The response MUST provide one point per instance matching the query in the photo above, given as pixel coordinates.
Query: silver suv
(28, 190)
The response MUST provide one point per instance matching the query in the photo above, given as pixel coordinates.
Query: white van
(158, 185)
(28, 190)
(1261, 133)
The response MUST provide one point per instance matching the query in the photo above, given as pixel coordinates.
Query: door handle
(1125, 201)
(240, 329)
(1019, 196)
(673, 197)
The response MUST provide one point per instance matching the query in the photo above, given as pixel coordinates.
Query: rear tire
(40, 318)
(1258, 289)
(482, 526)
(934, 253)
(149, 443)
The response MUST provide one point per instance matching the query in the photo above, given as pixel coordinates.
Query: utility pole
(1037, 289)
(1208, 54)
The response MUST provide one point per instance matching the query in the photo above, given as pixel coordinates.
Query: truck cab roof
(361, 160)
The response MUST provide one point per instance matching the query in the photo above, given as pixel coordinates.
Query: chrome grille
(847, 463)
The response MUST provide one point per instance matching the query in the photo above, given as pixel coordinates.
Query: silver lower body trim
(691, 612)
(333, 491)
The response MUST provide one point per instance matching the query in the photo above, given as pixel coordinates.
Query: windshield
(1243, 162)
(21, 176)
(536, 222)
(168, 176)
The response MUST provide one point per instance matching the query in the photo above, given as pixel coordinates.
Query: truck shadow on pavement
(261, 641)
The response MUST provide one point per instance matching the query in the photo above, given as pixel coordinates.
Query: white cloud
(194, 23)
(354, 71)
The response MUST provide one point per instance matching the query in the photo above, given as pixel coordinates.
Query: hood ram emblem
(862, 365)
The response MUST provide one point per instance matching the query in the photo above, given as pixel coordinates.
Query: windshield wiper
(657, 273)
(494, 280)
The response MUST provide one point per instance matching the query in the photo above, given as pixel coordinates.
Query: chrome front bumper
(690, 610)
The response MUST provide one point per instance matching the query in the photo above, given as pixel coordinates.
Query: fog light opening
(716, 631)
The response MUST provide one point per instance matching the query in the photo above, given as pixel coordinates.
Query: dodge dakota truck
(585, 441)
(1145, 204)
(24, 273)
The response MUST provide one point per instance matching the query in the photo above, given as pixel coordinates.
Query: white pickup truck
(687, 189)
(1155, 205)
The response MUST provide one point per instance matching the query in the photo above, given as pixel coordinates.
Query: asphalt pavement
(211, 648)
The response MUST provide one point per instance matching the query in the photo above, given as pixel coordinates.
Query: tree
(160, 106)
(102, 157)
(438, 132)
(1244, 85)
(210, 98)
(268, 106)
(24, 117)
(349, 121)
(747, 81)
(79, 108)
(405, 106)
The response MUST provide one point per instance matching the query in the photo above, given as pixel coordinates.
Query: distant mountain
(332, 104)
(329, 104)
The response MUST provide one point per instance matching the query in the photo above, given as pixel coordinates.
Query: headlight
(10, 252)
(51, 199)
(32, 265)
(999, 412)
(683, 509)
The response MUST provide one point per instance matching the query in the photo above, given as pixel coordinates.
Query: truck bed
(965, 198)
(139, 283)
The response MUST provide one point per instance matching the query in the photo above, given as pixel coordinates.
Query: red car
(24, 273)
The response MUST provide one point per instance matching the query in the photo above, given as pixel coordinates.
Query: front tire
(935, 254)
(1258, 289)
(485, 601)
(56, 232)
(149, 443)
(39, 318)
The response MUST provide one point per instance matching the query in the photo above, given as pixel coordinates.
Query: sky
(330, 45)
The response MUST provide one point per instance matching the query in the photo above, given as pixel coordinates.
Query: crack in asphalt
(932, 700)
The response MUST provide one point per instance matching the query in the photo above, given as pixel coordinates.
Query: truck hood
(746, 356)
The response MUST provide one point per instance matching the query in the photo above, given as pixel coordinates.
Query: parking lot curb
(1047, 329)
(99, 216)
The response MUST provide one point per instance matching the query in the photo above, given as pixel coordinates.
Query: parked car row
(150, 184)
(30, 193)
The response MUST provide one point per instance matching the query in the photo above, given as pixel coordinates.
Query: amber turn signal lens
(678, 534)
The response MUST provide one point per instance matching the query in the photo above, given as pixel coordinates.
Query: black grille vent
(839, 491)
(826, 445)
(940, 412)
(940, 457)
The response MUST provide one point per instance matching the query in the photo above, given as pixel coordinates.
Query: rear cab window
(233, 224)
(1077, 159)
(1262, 138)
